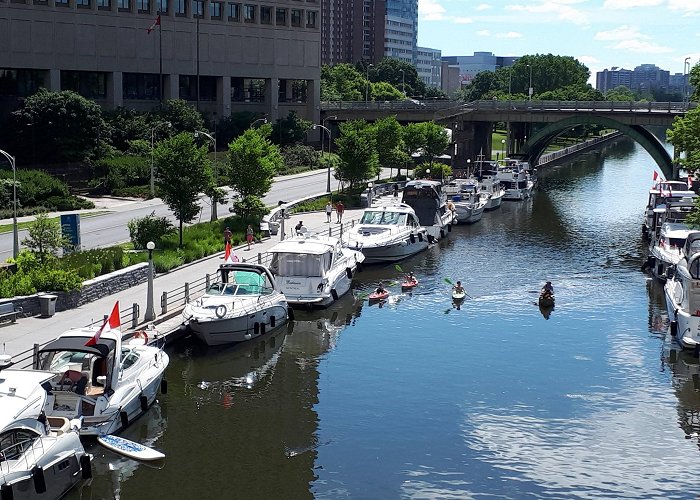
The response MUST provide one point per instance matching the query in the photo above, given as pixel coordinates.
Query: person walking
(249, 235)
(329, 211)
(396, 190)
(227, 235)
(339, 209)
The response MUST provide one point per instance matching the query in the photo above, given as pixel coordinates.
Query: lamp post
(427, 173)
(367, 78)
(369, 194)
(264, 120)
(153, 133)
(15, 232)
(150, 311)
(503, 148)
(403, 82)
(529, 89)
(212, 138)
(686, 72)
(469, 167)
(314, 127)
(510, 82)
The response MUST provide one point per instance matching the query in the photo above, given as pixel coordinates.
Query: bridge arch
(537, 144)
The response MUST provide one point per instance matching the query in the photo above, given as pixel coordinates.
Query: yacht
(466, 200)
(313, 270)
(489, 183)
(243, 304)
(660, 195)
(516, 181)
(682, 294)
(387, 234)
(108, 384)
(429, 202)
(669, 236)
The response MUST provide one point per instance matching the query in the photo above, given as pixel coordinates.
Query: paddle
(398, 268)
(450, 282)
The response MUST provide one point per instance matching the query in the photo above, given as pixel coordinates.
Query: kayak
(546, 300)
(458, 295)
(378, 296)
(409, 284)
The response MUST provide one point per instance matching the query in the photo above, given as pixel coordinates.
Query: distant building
(352, 31)
(401, 30)
(450, 79)
(429, 66)
(644, 77)
(470, 66)
(608, 79)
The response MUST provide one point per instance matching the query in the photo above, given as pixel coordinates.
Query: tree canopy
(357, 150)
(253, 162)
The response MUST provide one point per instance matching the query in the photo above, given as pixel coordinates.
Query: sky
(599, 33)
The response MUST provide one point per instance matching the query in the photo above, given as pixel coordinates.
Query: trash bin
(47, 305)
(274, 228)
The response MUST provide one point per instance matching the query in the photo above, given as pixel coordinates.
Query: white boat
(488, 183)
(108, 384)
(387, 234)
(660, 195)
(466, 200)
(313, 270)
(429, 202)
(39, 457)
(245, 303)
(514, 177)
(669, 236)
(682, 294)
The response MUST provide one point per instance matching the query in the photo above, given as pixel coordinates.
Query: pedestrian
(297, 228)
(227, 236)
(339, 209)
(329, 211)
(249, 235)
(396, 190)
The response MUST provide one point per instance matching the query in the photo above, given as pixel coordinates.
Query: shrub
(250, 207)
(35, 186)
(122, 171)
(149, 228)
(298, 155)
(91, 263)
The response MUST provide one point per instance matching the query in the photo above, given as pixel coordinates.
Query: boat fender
(85, 467)
(141, 334)
(6, 492)
(348, 273)
(124, 418)
(256, 328)
(413, 238)
(359, 267)
(442, 233)
(143, 400)
(674, 328)
(430, 238)
(39, 479)
(290, 313)
(420, 236)
(220, 311)
(262, 328)
(334, 294)
(163, 386)
(449, 228)
(272, 321)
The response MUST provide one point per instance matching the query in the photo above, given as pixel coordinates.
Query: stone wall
(93, 289)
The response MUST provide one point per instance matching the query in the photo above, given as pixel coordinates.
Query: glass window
(82, 3)
(124, 5)
(143, 5)
(62, 3)
(311, 18)
(265, 15)
(188, 88)
(247, 90)
(104, 4)
(215, 10)
(198, 8)
(163, 6)
(281, 17)
(180, 8)
(296, 17)
(249, 14)
(20, 82)
(89, 84)
(140, 86)
(234, 12)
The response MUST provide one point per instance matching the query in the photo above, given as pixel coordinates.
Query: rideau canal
(423, 399)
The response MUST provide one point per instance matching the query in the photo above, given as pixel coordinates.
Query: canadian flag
(690, 182)
(109, 324)
(229, 256)
(656, 175)
(153, 26)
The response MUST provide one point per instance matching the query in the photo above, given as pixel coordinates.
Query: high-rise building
(261, 56)
(352, 31)
(644, 77)
(429, 66)
(470, 66)
(608, 79)
(401, 30)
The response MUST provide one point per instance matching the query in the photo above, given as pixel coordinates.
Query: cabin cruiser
(39, 457)
(244, 303)
(313, 270)
(387, 234)
(682, 294)
(514, 177)
(660, 195)
(466, 200)
(429, 202)
(670, 232)
(108, 384)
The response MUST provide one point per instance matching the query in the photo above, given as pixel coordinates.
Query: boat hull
(341, 286)
(685, 327)
(231, 330)
(494, 201)
(394, 251)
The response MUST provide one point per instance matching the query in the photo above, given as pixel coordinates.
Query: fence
(555, 155)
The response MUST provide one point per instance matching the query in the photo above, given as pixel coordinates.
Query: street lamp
(367, 78)
(503, 148)
(264, 120)
(315, 126)
(150, 311)
(153, 133)
(15, 233)
(427, 173)
(469, 165)
(529, 90)
(403, 82)
(686, 72)
(212, 138)
(510, 82)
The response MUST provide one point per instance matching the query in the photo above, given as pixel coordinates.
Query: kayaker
(548, 288)
(380, 289)
(458, 288)
(410, 278)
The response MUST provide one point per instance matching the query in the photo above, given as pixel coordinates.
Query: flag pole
(160, 57)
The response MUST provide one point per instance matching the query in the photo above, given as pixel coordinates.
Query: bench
(9, 311)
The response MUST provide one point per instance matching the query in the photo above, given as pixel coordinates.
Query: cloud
(688, 7)
(560, 9)
(483, 33)
(630, 4)
(462, 20)
(630, 39)
(431, 10)
(587, 60)
(483, 6)
(510, 34)
(642, 46)
(623, 32)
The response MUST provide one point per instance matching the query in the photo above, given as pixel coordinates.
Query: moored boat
(487, 175)
(429, 202)
(661, 194)
(682, 295)
(516, 181)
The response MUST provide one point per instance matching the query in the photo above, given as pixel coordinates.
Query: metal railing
(555, 155)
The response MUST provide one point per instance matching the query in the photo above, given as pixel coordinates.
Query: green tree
(383, 91)
(575, 92)
(434, 93)
(290, 130)
(398, 73)
(437, 170)
(232, 126)
(342, 82)
(684, 134)
(127, 125)
(182, 116)
(183, 170)
(620, 93)
(436, 140)
(357, 152)
(59, 126)
(694, 81)
(45, 237)
(389, 139)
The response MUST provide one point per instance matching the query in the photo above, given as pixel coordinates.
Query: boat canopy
(301, 265)
(384, 217)
(692, 244)
(77, 344)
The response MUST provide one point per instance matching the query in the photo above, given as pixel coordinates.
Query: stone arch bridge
(532, 125)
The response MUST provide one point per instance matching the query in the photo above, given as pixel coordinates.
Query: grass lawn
(7, 228)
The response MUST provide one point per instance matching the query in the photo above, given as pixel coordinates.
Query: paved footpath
(21, 336)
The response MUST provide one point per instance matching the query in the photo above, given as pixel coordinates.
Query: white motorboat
(387, 234)
(660, 196)
(489, 184)
(466, 200)
(108, 384)
(514, 177)
(669, 235)
(245, 303)
(313, 270)
(429, 202)
(39, 457)
(682, 293)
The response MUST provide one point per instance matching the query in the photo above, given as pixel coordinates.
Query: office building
(401, 30)
(222, 56)
(429, 66)
(608, 79)
(470, 66)
(352, 31)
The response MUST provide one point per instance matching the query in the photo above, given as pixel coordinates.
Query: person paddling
(458, 288)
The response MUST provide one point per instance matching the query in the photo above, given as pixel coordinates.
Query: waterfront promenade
(21, 336)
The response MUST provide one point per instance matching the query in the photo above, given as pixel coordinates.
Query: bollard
(259, 258)
(35, 355)
(134, 315)
(164, 303)
(341, 230)
(330, 231)
(206, 281)
(187, 293)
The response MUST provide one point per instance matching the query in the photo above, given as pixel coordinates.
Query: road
(111, 229)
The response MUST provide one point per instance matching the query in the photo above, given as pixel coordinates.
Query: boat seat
(58, 425)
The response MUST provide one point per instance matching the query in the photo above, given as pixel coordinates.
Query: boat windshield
(383, 217)
(300, 264)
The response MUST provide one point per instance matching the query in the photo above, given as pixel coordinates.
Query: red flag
(110, 323)
(690, 182)
(155, 23)
(656, 175)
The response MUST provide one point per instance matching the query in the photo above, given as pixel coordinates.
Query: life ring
(220, 311)
(141, 334)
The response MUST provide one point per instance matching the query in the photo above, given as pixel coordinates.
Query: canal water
(422, 398)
